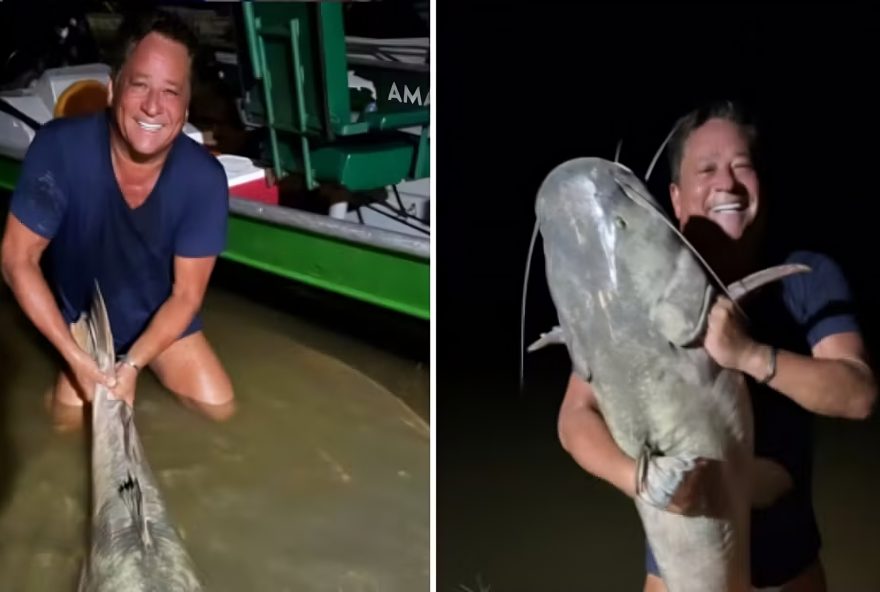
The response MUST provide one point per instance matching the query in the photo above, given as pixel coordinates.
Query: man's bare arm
(835, 381)
(20, 262)
(191, 276)
(585, 436)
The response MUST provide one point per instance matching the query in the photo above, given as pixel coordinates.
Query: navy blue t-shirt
(793, 314)
(67, 192)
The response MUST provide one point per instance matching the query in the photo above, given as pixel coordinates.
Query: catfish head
(609, 245)
(615, 259)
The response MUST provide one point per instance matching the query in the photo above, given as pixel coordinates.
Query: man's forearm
(38, 303)
(172, 318)
(585, 436)
(842, 388)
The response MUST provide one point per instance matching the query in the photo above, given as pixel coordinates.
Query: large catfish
(134, 546)
(632, 298)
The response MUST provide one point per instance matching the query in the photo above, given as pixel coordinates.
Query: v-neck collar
(114, 182)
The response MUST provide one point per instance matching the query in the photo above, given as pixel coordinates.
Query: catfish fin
(132, 496)
(82, 334)
(130, 487)
(553, 337)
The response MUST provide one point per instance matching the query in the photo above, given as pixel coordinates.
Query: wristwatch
(127, 361)
(771, 366)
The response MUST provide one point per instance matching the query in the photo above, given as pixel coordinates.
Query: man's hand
(87, 374)
(126, 381)
(691, 487)
(699, 491)
(727, 341)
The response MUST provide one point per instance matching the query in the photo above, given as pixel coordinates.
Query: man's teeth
(731, 207)
(150, 127)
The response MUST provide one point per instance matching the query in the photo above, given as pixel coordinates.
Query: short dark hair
(723, 109)
(141, 23)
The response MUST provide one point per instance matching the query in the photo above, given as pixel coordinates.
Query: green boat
(342, 119)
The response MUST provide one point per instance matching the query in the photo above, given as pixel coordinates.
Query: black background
(519, 90)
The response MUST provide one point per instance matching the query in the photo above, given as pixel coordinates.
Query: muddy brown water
(320, 482)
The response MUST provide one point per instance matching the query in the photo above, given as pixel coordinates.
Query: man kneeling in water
(124, 198)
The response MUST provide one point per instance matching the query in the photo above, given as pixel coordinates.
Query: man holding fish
(124, 198)
(803, 354)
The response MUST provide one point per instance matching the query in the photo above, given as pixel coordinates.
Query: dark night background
(512, 508)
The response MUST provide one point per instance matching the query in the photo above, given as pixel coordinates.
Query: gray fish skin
(133, 543)
(632, 299)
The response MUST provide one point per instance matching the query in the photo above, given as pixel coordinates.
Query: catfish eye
(621, 223)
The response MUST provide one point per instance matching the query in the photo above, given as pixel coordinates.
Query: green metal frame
(298, 53)
(9, 172)
(384, 278)
(381, 277)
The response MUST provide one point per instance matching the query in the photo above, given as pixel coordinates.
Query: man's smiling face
(150, 100)
(717, 178)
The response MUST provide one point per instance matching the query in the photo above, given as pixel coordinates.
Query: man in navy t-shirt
(124, 198)
(803, 355)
